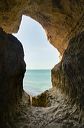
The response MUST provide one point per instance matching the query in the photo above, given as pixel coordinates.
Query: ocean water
(37, 81)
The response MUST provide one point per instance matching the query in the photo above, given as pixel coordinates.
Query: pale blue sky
(39, 53)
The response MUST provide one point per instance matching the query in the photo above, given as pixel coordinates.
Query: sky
(39, 53)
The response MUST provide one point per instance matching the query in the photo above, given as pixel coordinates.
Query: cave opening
(40, 56)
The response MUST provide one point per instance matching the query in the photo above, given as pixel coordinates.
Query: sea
(37, 81)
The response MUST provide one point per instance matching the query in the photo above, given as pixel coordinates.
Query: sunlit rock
(61, 19)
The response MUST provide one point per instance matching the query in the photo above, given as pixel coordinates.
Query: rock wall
(61, 19)
(12, 68)
(68, 75)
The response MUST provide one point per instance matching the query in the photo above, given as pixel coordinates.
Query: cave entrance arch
(40, 56)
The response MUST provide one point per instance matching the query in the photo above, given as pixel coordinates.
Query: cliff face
(12, 68)
(61, 19)
(69, 74)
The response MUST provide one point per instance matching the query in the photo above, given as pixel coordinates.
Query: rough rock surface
(12, 68)
(61, 19)
(68, 75)
(40, 100)
(59, 114)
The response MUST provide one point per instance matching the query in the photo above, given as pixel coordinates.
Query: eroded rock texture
(69, 74)
(61, 19)
(12, 68)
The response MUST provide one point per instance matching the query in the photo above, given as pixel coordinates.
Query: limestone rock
(61, 19)
(59, 114)
(12, 68)
(69, 75)
(73, 62)
(40, 100)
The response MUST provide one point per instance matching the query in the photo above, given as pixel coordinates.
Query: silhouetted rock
(12, 68)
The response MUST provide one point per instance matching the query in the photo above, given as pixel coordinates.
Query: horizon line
(39, 69)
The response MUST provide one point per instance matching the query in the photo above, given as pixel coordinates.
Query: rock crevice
(62, 20)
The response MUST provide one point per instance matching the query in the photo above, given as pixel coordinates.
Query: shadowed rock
(12, 68)
(62, 20)
(69, 74)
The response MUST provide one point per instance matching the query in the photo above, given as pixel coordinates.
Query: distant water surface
(37, 81)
